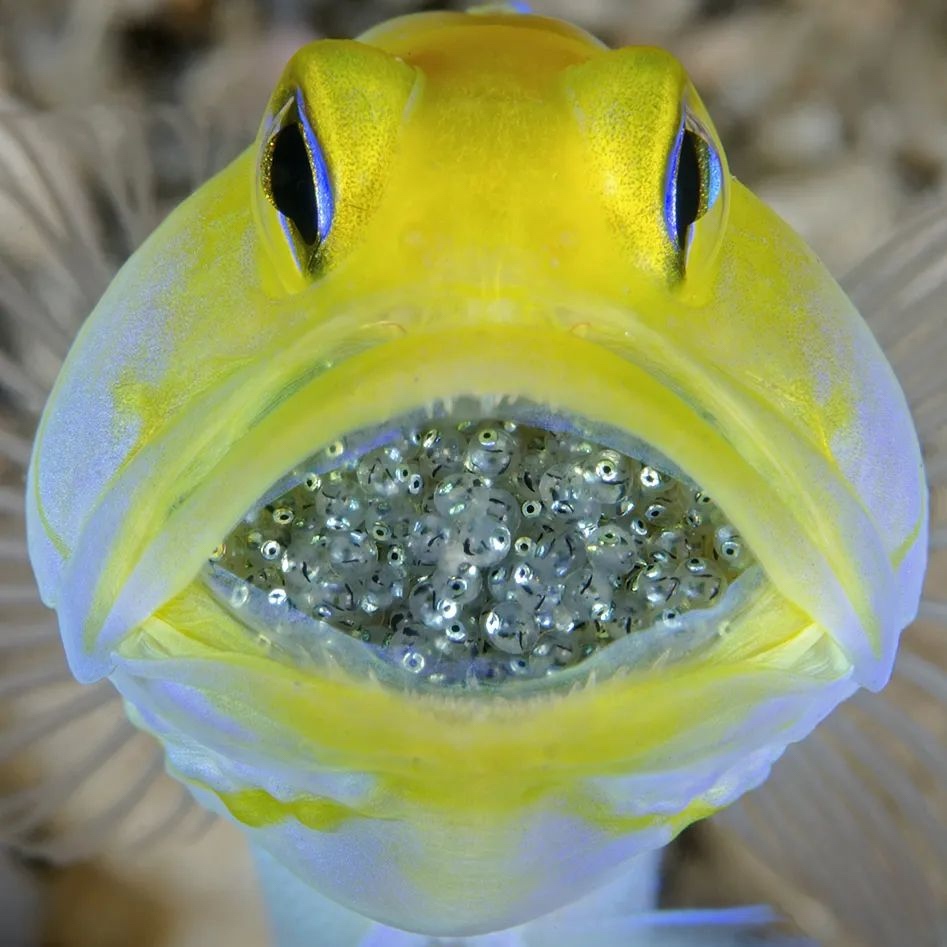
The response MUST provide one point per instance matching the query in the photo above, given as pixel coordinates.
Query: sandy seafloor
(834, 111)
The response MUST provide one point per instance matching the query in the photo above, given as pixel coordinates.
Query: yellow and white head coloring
(491, 219)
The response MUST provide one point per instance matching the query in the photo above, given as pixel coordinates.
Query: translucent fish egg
(490, 451)
(509, 629)
(611, 548)
(352, 552)
(484, 542)
(442, 451)
(428, 539)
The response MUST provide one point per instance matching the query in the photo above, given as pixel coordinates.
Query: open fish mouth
(465, 547)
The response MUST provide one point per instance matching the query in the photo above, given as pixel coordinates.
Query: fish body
(494, 212)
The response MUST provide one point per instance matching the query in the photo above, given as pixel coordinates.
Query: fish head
(558, 160)
(459, 218)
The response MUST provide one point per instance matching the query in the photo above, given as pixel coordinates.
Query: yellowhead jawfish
(473, 484)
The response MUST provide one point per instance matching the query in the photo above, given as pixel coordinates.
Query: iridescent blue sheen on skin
(325, 200)
(670, 188)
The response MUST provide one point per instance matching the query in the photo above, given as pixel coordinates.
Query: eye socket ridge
(296, 178)
(695, 178)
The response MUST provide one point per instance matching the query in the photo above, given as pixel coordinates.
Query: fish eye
(291, 186)
(296, 182)
(694, 184)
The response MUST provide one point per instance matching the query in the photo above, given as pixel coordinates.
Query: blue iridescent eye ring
(695, 179)
(297, 179)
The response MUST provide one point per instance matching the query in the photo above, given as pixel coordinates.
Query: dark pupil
(687, 191)
(292, 188)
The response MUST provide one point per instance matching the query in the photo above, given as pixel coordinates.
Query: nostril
(484, 550)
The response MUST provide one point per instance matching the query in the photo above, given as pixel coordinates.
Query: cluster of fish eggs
(486, 550)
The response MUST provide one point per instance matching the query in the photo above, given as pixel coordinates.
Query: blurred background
(834, 111)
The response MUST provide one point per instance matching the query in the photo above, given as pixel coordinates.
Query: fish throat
(470, 551)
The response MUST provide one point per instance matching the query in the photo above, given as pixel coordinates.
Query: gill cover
(490, 207)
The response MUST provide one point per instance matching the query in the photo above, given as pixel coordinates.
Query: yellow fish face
(464, 246)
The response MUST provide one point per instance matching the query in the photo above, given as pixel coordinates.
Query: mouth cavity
(462, 550)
